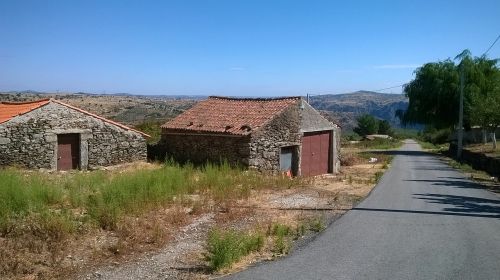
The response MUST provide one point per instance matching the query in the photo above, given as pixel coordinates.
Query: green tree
(485, 91)
(151, 127)
(367, 124)
(434, 93)
(384, 127)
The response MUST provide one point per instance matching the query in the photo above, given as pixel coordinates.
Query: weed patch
(281, 242)
(227, 247)
(377, 176)
(317, 225)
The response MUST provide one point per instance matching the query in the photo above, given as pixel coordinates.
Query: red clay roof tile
(8, 110)
(236, 116)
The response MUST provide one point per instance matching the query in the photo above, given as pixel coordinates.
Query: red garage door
(315, 153)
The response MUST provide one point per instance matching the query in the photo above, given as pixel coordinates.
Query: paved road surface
(423, 221)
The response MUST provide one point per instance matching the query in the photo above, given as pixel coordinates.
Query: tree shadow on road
(463, 204)
(461, 183)
(453, 205)
(495, 216)
(399, 153)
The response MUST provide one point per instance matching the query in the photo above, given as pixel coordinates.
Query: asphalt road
(424, 220)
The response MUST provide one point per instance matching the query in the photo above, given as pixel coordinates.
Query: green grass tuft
(227, 247)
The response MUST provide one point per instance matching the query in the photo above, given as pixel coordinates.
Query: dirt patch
(177, 260)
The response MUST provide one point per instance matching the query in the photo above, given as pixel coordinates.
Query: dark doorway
(68, 151)
(288, 160)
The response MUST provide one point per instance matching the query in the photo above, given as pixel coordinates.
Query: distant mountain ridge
(134, 108)
(345, 108)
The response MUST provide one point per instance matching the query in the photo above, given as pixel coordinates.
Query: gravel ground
(171, 262)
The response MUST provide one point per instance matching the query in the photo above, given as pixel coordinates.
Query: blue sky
(234, 47)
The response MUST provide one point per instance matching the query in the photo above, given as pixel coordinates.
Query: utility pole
(308, 98)
(461, 114)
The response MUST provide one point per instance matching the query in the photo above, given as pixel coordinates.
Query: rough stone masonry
(30, 140)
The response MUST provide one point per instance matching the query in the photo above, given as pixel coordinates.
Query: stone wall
(478, 161)
(261, 150)
(30, 140)
(200, 148)
(266, 144)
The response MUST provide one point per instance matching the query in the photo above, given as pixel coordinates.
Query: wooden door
(315, 154)
(68, 151)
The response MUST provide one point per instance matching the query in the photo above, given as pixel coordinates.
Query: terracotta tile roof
(8, 110)
(236, 116)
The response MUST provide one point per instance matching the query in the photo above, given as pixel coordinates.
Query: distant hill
(134, 109)
(125, 108)
(345, 108)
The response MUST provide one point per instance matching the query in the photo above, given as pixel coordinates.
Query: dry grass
(487, 149)
(133, 209)
(56, 225)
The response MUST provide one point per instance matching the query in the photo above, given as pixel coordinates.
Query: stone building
(49, 134)
(275, 134)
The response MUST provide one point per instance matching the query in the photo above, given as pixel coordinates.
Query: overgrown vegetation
(152, 128)
(40, 211)
(106, 196)
(281, 233)
(227, 247)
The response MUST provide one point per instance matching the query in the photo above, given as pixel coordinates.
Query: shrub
(436, 136)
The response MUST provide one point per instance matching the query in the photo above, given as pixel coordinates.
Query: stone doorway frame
(85, 134)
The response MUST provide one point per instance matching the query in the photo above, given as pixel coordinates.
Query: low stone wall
(30, 140)
(201, 148)
(478, 160)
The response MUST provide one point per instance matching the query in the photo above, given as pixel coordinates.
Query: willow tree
(434, 93)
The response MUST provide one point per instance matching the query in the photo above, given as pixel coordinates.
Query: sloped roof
(9, 110)
(236, 116)
(101, 118)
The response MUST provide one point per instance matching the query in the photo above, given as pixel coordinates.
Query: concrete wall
(30, 140)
